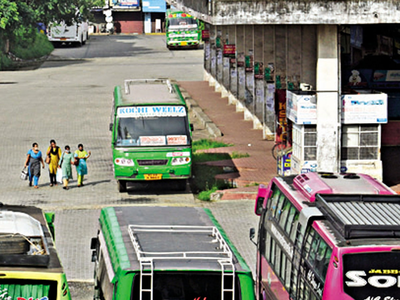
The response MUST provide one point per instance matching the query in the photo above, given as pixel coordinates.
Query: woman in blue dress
(33, 160)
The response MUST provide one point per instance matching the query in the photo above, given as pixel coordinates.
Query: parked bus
(151, 134)
(29, 264)
(182, 30)
(328, 236)
(157, 253)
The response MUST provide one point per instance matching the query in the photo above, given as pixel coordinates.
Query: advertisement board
(364, 108)
(301, 107)
(125, 3)
(154, 6)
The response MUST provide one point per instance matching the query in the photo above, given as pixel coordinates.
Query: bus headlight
(180, 161)
(124, 162)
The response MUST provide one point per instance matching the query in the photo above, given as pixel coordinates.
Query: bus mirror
(259, 205)
(191, 127)
(93, 243)
(111, 126)
(252, 235)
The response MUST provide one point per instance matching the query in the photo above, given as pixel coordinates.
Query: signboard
(152, 140)
(229, 50)
(126, 3)
(151, 111)
(386, 75)
(284, 163)
(176, 139)
(154, 6)
(298, 166)
(205, 34)
(364, 109)
(301, 108)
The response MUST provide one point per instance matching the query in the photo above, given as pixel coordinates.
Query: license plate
(152, 176)
(184, 43)
(63, 39)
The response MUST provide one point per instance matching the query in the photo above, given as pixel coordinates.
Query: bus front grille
(152, 162)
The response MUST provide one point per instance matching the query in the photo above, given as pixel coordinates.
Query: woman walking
(33, 160)
(66, 162)
(81, 156)
(54, 155)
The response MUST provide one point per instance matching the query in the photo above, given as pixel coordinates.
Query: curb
(200, 115)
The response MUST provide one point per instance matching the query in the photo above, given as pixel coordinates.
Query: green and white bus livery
(182, 30)
(151, 134)
(159, 253)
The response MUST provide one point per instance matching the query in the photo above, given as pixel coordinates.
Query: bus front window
(160, 131)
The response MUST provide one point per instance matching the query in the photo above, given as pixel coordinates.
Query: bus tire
(121, 184)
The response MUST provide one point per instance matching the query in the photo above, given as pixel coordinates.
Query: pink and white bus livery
(328, 236)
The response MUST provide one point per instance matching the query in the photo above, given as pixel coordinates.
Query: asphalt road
(69, 99)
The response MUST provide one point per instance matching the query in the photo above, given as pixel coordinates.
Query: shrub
(32, 48)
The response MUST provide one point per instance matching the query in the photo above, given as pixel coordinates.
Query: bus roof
(311, 184)
(176, 238)
(27, 222)
(362, 216)
(147, 92)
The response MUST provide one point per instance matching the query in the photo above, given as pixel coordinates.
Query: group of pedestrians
(57, 161)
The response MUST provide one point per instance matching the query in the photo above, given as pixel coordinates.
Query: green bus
(29, 264)
(151, 134)
(182, 30)
(157, 253)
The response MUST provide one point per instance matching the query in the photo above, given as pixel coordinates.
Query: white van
(62, 33)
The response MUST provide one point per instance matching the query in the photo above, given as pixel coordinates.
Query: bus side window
(278, 210)
(290, 219)
(273, 201)
(284, 213)
(294, 224)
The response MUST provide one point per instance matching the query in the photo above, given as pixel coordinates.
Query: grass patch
(208, 144)
(202, 157)
(239, 155)
(206, 195)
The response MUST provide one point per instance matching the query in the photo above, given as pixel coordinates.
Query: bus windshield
(371, 275)
(183, 23)
(183, 286)
(157, 131)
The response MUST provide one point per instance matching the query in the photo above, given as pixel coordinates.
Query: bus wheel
(121, 186)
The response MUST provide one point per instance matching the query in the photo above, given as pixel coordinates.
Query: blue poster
(154, 6)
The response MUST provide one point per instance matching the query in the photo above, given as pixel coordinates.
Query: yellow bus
(30, 268)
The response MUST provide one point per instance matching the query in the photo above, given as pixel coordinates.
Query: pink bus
(328, 236)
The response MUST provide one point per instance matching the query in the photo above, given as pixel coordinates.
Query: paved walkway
(260, 166)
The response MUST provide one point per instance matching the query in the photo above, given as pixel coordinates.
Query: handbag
(48, 159)
(76, 161)
(59, 175)
(24, 174)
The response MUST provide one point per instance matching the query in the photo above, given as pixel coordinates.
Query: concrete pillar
(213, 38)
(233, 81)
(328, 116)
(269, 75)
(225, 64)
(249, 52)
(207, 52)
(240, 62)
(219, 45)
(259, 71)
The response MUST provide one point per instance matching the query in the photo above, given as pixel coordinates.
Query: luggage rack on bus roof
(223, 255)
(22, 241)
(362, 216)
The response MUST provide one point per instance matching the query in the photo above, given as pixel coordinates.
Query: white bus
(60, 32)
